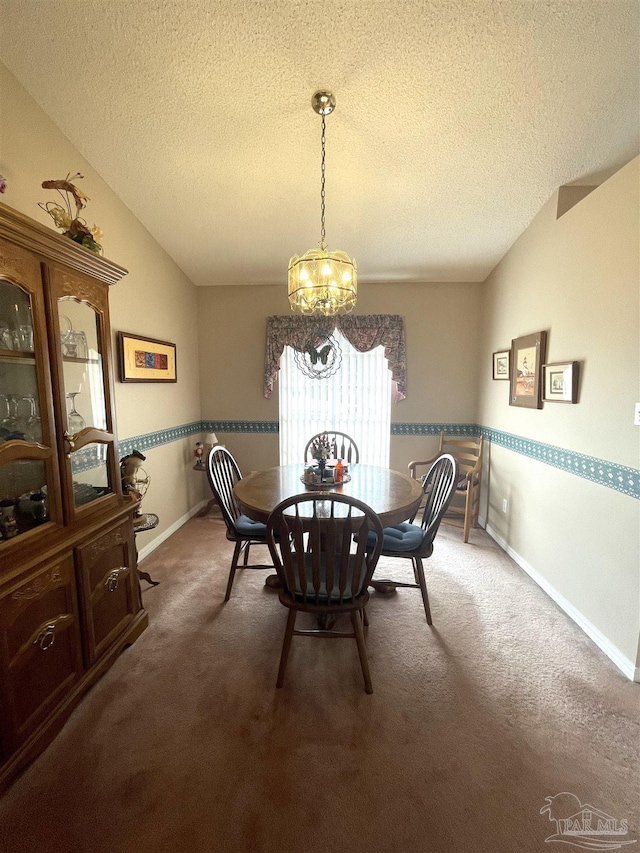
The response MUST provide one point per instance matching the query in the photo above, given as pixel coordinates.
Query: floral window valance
(363, 332)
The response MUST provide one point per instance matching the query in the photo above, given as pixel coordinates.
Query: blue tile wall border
(609, 474)
(618, 477)
(434, 429)
(241, 426)
(155, 439)
(88, 458)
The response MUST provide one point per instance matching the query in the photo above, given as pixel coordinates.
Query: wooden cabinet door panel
(87, 442)
(40, 647)
(109, 586)
(28, 461)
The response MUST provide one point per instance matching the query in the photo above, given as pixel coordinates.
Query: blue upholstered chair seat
(401, 537)
(246, 527)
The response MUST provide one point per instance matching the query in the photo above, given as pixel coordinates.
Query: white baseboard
(155, 543)
(624, 664)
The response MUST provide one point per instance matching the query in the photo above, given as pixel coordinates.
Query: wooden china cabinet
(69, 591)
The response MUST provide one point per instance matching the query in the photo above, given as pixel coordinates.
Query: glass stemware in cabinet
(12, 424)
(80, 341)
(8, 338)
(66, 332)
(25, 338)
(33, 424)
(4, 418)
(22, 323)
(75, 421)
(16, 321)
(73, 343)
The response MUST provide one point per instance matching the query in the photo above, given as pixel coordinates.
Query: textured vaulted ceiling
(455, 121)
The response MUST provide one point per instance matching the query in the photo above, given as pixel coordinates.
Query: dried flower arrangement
(321, 448)
(72, 225)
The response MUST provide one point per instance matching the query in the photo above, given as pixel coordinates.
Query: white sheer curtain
(356, 400)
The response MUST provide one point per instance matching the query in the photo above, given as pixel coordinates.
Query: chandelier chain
(322, 191)
(322, 283)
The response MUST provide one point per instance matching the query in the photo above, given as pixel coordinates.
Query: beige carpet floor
(186, 745)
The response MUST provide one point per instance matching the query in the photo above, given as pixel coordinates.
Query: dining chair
(467, 451)
(310, 538)
(343, 446)
(223, 473)
(415, 541)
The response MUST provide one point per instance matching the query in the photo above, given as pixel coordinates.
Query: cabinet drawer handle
(113, 579)
(46, 638)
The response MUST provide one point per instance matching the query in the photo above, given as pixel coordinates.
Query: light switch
(636, 417)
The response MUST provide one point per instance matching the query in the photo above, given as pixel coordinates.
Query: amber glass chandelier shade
(323, 283)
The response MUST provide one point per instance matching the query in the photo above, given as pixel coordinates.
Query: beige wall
(155, 299)
(441, 339)
(576, 277)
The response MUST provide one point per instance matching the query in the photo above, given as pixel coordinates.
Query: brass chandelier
(322, 282)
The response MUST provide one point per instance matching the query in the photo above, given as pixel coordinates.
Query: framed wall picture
(527, 357)
(560, 382)
(501, 364)
(145, 359)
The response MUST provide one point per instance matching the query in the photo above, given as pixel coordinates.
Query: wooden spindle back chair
(322, 570)
(467, 451)
(415, 541)
(223, 473)
(343, 446)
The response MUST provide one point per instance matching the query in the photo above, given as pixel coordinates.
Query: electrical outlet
(504, 504)
(636, 417)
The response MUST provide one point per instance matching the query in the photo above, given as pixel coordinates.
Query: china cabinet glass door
(28, 468)
(88, 439)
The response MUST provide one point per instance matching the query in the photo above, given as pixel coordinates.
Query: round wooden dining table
(393, 496)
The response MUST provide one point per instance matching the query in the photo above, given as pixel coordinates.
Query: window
(355, 400)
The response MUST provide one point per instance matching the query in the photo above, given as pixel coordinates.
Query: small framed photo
(145, 359)
(527, 357)
(560, 382)
(501, 364)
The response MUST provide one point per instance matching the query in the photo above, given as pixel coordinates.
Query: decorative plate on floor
(322, 487)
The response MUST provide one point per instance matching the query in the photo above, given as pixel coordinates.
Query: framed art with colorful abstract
(145, 359)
